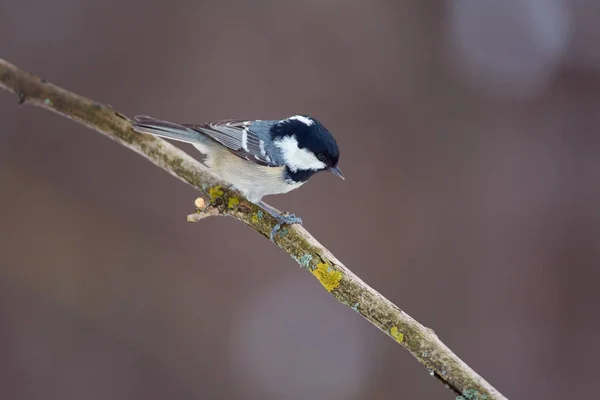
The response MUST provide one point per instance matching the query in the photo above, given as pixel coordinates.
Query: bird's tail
(169, 130)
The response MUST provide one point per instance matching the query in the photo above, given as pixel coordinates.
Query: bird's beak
(337, 172)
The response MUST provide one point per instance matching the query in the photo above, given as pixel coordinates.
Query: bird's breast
(254, 181)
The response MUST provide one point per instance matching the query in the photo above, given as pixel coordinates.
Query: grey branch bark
(338, 280)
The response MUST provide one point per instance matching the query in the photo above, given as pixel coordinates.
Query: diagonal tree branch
(338, 280)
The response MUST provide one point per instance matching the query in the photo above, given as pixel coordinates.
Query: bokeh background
(470, 139)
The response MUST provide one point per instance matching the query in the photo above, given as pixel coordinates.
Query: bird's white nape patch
(245, 139)
(305, 120)
(297, 158)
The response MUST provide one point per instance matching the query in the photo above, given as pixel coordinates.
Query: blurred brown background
(470, 138)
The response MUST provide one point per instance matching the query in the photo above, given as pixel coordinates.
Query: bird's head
(306, 146)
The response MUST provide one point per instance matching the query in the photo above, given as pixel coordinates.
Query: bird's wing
(238, 138)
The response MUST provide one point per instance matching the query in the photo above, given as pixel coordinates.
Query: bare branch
(338, 280)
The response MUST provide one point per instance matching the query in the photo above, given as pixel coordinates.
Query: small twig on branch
(203, 210)
(338, 280)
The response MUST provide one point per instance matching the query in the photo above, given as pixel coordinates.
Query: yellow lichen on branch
(396, 334)
(329, 278)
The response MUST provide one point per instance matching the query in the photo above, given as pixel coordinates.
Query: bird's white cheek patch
(297, 158)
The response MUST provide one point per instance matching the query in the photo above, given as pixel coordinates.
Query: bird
(257, 157)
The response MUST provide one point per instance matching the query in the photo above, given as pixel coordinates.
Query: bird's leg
(281, 219)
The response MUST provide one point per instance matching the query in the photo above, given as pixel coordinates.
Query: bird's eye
(321, 157)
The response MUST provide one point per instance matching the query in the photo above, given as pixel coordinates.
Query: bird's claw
(282, 219)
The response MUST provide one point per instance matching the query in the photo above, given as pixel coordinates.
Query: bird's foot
(283, 219)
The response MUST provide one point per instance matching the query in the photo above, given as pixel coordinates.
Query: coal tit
(257, 158)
